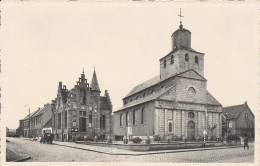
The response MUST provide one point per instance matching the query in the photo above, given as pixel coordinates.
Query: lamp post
(206, 124)
(29, 134)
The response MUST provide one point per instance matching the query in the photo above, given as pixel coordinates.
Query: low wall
(154, 147)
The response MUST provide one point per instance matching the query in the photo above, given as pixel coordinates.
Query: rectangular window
(246, 115)
(90, 119)
(84, 113)
(102, 121)
(80, 113)
(65, 119)
(74, 113)
(59, 120)
(82, 124)
(229, 124)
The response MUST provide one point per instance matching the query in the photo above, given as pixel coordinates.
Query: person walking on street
(246, 142)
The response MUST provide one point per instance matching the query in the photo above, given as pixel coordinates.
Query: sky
(44, 43)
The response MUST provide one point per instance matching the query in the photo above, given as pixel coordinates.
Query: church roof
(180, 29)
(104, 103)
(231, 112)
(211, 100)
(153, 81)
(144, 85)
(94, 83)
(145, 99)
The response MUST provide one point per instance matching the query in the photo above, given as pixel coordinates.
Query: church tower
(182, 57)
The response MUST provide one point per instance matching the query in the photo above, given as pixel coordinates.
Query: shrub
(137, 140)
(102, 137)
(156, 138)
(147, 141)
(233, 138)
(119, 138)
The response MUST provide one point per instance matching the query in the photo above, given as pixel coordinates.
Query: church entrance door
(191, 130)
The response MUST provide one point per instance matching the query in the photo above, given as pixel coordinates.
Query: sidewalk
(15, 154)
(115, 151)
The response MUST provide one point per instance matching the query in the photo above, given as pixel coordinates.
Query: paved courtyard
(47, 152)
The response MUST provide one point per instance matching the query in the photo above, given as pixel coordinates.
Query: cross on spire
(180, 19)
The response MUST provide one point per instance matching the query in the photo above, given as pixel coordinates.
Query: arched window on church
(134, 117)
(196, 59)
(172, 60)
(121, 119)
(126, 117)
(142, 116)
(164, 63)
(187, 57)
(170, 127)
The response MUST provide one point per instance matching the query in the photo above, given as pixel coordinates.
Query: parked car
(47, 138)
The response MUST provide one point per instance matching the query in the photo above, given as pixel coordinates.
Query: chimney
(60, 86)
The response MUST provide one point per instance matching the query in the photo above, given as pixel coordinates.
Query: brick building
(81, 111)
(238, 120)
(174, 102)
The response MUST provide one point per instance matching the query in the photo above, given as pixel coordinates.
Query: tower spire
(180, 19)
(94, 83)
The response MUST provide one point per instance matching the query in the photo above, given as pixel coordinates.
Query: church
(174, 102)
(81, 111)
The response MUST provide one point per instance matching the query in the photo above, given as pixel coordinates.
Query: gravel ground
(47, 152)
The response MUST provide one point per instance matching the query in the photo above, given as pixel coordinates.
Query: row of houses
(176, 101)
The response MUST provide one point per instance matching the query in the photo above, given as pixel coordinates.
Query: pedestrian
(246, 142)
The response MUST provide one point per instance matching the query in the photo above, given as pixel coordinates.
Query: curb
(23, 159)
(158, 152)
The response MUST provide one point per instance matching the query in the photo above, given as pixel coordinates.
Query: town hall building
(81, 111)
(174, 102)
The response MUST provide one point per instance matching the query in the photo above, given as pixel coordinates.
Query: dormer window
(196, 59)
(152, 91)
(164, 63)
(130, 100)
(144, 94)
(137, 97)
(172, 60)
(125, 102)
(187, 57)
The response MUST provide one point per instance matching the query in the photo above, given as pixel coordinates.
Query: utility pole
(29, 121)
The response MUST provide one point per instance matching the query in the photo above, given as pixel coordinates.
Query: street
(51, 152)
